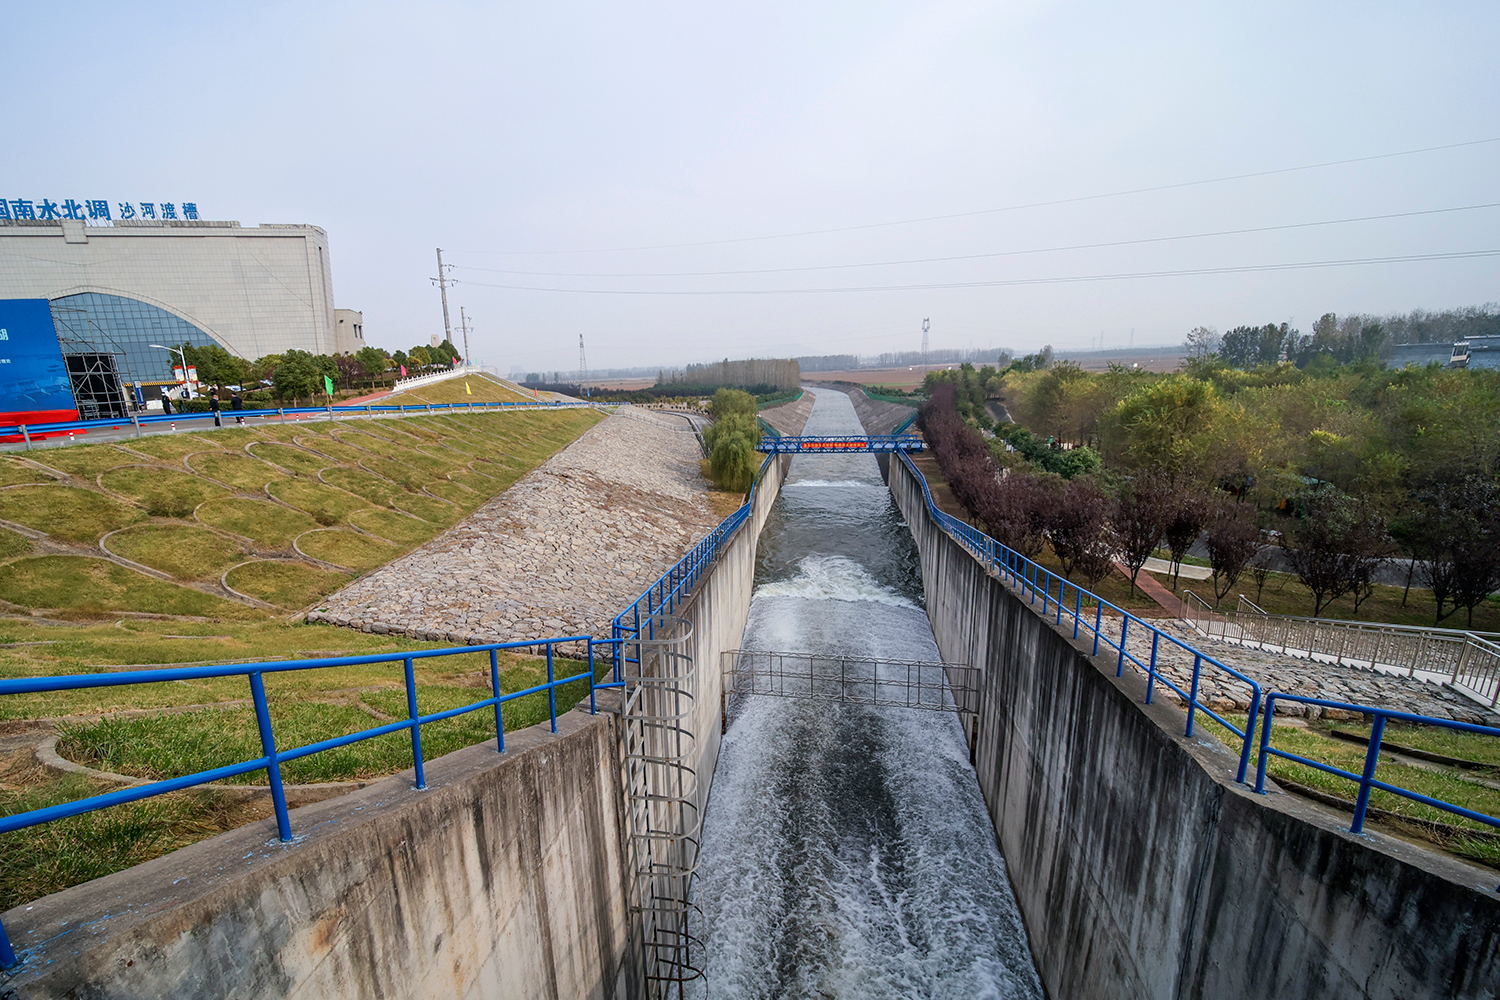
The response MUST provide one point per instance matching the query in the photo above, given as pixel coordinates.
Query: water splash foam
(833, 578)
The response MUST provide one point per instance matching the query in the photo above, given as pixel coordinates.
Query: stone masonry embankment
(877, 416)
(559, 553)
(1143, 870)
(790, 418)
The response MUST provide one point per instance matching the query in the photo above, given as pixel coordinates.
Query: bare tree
(1233, 539)
(1260, 570)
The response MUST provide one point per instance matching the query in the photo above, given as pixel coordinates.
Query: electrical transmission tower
(583, 365)
(443, 281)
(926, 323)
(463, 325)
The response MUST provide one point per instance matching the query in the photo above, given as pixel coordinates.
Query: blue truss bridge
(827, 445)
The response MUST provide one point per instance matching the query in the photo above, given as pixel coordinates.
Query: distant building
(115, 289)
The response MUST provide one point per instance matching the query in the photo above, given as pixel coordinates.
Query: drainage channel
(846, 851)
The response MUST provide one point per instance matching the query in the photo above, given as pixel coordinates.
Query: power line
(980, 256)
(1008, 282)
(1178, 185)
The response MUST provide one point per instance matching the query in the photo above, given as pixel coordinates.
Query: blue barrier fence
(1063, 600)
(788, 445)
(273, 754)
(143, 420)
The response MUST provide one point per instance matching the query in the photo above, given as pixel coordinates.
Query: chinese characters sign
(95, 210)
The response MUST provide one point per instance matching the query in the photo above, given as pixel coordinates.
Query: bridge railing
(788, 444)
(273, 754)
(1035, 581)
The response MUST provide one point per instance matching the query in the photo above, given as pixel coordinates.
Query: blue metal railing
(140, 420)
(788, 445)
(905, 425)
(1036, 581)
(273, 755)
(1366, 779)
(1033, 580)
(665, 595)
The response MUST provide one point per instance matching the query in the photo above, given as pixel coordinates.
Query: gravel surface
(559, 553)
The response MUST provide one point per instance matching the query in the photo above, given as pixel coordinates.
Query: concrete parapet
(1143, 870)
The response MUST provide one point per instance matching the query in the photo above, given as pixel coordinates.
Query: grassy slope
(191, 506)
(485, 390)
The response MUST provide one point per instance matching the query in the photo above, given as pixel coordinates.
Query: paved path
(559, 553)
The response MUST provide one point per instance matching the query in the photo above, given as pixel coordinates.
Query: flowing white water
(847, 852)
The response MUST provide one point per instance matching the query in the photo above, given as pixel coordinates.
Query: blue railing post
(1061, 582)
(1077, 608)
(1098, 622)
(1372, 760)
(1151, 673)
(416, 727)
(1120, 662)
(1250, 719)
(593, 679)
(1265, 745)
(499, 707)
(1193, 694)
(551, 691)
(1046, 592)
(273, 764)
(7, 953)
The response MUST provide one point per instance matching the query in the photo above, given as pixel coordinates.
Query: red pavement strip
(1152, 588)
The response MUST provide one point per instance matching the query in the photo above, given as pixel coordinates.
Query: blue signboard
(95, 209)
(32, 374)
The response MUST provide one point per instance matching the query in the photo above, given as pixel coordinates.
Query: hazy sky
(491, 128)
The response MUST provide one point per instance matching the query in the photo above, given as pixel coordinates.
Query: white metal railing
(414, 381)
(1467, 661)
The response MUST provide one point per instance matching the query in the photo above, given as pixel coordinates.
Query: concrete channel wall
(1143, 870)
(506, 878)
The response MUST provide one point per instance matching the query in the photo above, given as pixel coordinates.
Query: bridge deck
(868, 443)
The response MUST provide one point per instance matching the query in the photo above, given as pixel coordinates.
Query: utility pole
(926, 323)
(463, 321)
(442, 281)
(583, 365)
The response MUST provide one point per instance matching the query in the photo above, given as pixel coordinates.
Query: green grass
(235, 469)
(403, 529)
(13, 544)
(180, 550)
(54, 856)
(1435, 739)
(1412, 818)
(84, 584)
(84, 460)
(162, 492)
(456, 493)
(13, 472)
(333, 447)
(347, 548)
(290, 458)
(269, 524)
(327, 505)
(452, 391)
(285, 583)
(373, 488)
(67, 512)
(175, 447)
(430, 509)
(166, 746)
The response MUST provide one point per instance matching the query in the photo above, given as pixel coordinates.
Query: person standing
(166, 403)
(213, 405)
(237, 403)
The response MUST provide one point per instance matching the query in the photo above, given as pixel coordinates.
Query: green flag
(328, 385)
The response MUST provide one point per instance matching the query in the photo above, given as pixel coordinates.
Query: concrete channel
(850, 851)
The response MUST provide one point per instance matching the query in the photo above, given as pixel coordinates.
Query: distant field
(903, 377)
(460, 389)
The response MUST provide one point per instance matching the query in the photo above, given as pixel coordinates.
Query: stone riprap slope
(560, 553)
(1293, 675)
(790, 418)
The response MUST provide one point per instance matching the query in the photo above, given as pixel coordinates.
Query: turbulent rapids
(846, 850)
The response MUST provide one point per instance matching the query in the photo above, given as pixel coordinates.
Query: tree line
(1339, 468)
(296, 374)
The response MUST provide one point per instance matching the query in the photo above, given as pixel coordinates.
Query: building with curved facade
(114, 290)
